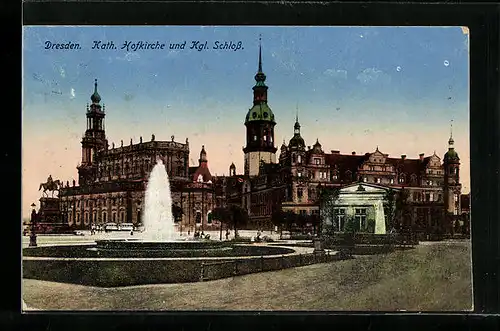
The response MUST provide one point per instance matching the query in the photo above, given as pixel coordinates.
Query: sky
(354, 88)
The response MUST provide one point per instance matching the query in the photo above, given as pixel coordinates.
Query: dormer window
(317, 161)
(365, 179)
(377, 180)
(200, 178)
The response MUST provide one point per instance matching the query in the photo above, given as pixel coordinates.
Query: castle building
(112, 180)
(301, 172)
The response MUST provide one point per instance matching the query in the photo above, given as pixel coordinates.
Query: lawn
(434, 277)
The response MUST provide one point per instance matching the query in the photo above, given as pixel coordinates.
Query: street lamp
(33, 232)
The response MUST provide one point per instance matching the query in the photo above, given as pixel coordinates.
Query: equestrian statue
(51, 185)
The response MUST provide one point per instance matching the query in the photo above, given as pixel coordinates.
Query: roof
(353, 162)
(203, 171)
(260, 112)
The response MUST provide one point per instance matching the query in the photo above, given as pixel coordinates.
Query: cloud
(373, 75)
(336, 73)
(62, 72)
(72, 93)
(129, 57)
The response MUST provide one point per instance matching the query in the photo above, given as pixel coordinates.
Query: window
(365, 179)
(299, 174)
(114, 217)
(317, 161)
(415, 196)
(431, 197)
(104, 217)
(360, 217)
(299, 159)
(427, 197)
(340, 218)
(198, 217)
(334, 177)
(265, 138)
(209, 218)
(299, 194)
(391, 180)
(377, 180)
(254, 138)
(401, 179)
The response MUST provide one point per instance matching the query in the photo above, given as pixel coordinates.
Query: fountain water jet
(157, 213)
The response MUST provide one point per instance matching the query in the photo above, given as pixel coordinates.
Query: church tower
(259, 124)
(93, 140)
(452, 187)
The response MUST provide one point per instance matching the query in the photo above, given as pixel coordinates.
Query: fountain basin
(144, 248)
(85, 265)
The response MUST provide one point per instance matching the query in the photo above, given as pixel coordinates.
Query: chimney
(403, 157)
(335, 152)
(353, 153)
(421, 156)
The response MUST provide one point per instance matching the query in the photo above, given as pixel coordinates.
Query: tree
(290, 219)
(315, 219)
(351, 225)
(238, 216)
(389, 208)
(278, 219)
(402, 206)
(177, 213)
(221, 214)
(328, 202)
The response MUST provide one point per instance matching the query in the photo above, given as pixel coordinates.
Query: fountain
(157, 214)
(160, 237)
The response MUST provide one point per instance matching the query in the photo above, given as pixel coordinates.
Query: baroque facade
(112, 180)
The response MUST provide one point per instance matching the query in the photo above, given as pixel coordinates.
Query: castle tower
(93, 140)
(296, 145)
(259, 124)
(232, 169)
(452, 187)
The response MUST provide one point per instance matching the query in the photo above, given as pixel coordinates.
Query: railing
(230, 268)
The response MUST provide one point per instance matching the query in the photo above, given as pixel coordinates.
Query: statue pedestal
(49, 210)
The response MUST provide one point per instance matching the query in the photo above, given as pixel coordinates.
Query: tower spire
(95, 97)
(451, 141)
(297, 113)
(260, 52)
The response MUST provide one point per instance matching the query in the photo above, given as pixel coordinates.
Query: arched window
(104, 217)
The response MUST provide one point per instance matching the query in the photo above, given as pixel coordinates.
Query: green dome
(260, 112)
(451, 155)
(297, 141)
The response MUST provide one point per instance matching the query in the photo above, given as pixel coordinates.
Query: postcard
(265, 168)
